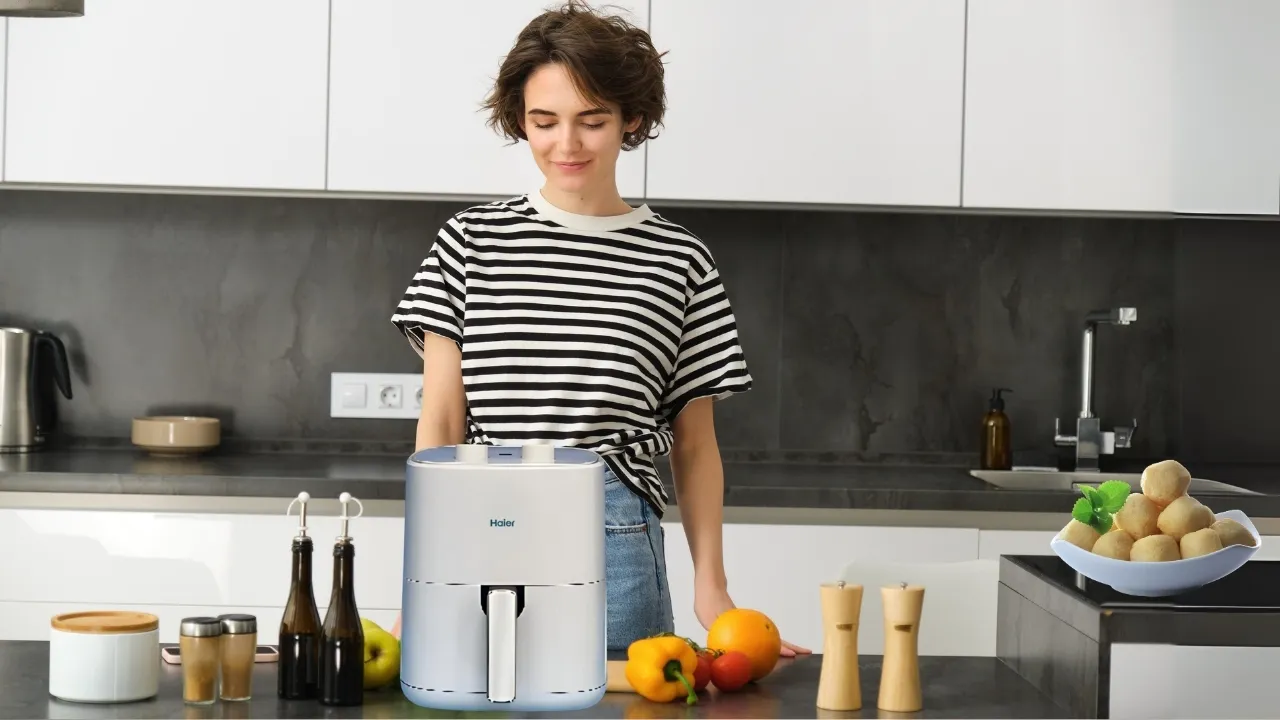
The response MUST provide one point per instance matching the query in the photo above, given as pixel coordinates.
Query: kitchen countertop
(757, 485)
(952, 687)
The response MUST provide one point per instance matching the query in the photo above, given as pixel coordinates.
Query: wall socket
(375, 395)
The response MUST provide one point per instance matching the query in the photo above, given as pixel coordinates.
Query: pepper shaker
(900, 674)
(839, 684)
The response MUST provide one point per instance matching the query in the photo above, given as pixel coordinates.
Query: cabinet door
(408, 80)
(4, 36)
(1227, 107)
(198, 93)
(831, 101)
(800, 558)
(1067, 105)
(1143, 105)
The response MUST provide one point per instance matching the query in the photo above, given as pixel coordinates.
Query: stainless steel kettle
(31, 363)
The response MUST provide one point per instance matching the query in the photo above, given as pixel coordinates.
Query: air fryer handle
(61, 368)
(501, 605)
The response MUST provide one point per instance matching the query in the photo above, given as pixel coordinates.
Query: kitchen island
(1206, 653)
(954, 687)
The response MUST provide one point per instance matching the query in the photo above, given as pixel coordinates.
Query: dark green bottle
(342, 641)
(298, 669)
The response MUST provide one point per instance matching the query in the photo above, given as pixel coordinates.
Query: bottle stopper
(346, 499)
(302, 500)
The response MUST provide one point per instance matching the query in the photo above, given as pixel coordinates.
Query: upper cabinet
(1226, 107)
(3, 38)
(1162, 106)
(1142, 105)
(408, 80)
(197, 93)
(829, 101)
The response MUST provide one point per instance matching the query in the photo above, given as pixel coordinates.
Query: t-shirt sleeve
(710, 361)
(434, 300)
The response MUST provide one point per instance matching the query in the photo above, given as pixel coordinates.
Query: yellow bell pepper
(661, 668)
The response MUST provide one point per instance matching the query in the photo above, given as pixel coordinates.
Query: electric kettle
(31, 363)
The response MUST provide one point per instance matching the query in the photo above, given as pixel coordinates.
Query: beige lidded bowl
(176, 434)
(104, 656)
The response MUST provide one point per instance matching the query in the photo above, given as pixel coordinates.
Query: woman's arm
(443, 419)
(699, 476)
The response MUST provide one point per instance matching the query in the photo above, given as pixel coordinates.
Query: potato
(1155, 548)
(1079, 534)
(1182, 516)
(1165, 481)
(1115, 544)
(1231, 532)
(1138, 516)
(1200, 542)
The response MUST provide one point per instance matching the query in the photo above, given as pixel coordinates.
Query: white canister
(104, 656)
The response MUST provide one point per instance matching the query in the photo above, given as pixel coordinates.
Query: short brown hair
(609, 59)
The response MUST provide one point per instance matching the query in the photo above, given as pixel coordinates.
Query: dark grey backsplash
(865, 331)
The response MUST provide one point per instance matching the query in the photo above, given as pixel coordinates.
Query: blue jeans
(639, 600)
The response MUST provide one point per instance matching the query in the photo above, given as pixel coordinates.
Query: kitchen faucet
(1090, 441)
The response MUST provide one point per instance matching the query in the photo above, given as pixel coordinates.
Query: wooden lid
(105, 621)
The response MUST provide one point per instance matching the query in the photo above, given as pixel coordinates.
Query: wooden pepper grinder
(900, 674)
(839, 685)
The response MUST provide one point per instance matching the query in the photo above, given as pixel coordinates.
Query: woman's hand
(709, 601)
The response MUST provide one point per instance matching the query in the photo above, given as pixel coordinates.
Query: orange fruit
(751, 633)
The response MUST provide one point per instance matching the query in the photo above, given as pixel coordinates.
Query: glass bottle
(342, 642)
(298, 673)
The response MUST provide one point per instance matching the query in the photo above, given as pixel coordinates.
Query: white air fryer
(504, 581)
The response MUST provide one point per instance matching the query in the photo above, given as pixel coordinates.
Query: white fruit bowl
(1160, 579)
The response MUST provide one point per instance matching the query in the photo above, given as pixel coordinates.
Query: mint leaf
(1091, 494)
(1113, 494)
(1083, 511)
(1101, 521)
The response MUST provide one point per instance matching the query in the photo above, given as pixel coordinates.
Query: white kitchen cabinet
(4, 36)
(778, 570)
(407, 82)
(30, 620)
(203, 559)
(831, 101)
(198, 93)
(178, 564)
(1143, 105)
(1226, 108)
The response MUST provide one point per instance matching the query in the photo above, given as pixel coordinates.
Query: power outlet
(375, 395)
(389, 397)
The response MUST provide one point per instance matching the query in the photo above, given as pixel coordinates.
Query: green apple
(381, 656)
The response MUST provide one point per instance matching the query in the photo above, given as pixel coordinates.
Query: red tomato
(702, 673)
(731, 671)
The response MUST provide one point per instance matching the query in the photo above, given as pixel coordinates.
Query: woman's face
(575, 143)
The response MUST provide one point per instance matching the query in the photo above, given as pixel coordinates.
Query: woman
(569, 317)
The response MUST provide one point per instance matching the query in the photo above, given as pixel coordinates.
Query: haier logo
(502, 523)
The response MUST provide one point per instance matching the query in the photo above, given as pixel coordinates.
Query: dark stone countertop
(952, 688)
(752, 479)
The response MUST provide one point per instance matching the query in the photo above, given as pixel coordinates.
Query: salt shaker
(839, 684)
(900, 674)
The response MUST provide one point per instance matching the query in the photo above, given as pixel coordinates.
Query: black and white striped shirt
(582, 331)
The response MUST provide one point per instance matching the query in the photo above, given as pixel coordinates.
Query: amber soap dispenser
(997, 448)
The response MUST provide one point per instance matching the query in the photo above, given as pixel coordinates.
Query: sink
(1067, 480)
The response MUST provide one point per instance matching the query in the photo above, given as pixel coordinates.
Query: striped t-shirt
(576, 330)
